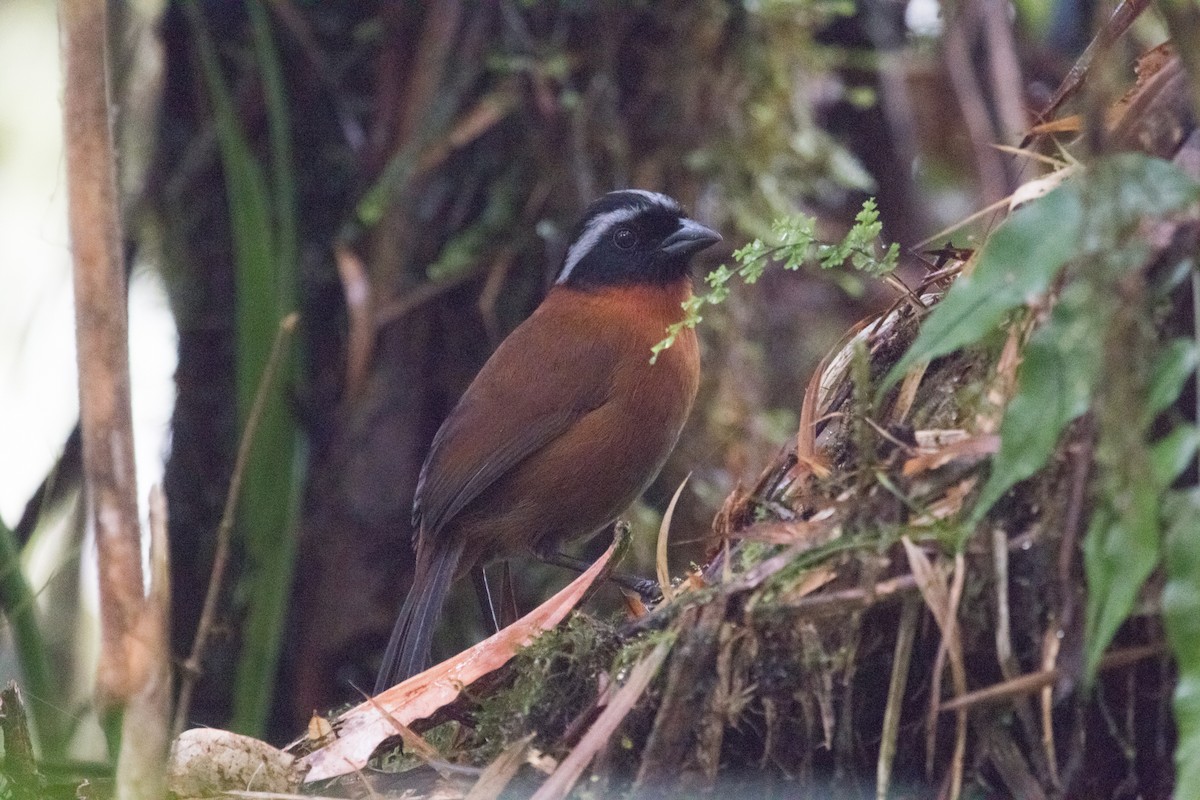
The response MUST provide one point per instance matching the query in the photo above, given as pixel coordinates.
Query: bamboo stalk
(133, 675)
(106, 418)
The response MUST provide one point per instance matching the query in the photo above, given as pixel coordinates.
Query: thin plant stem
(191, 668)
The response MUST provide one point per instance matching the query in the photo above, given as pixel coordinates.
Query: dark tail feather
(408, 650)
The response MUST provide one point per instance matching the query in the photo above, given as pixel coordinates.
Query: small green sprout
(795, 245)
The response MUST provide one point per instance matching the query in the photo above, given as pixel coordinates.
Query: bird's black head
(633, 236)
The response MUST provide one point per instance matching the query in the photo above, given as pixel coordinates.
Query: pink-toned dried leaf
(362, 728)
(948, 505)
(413, 742)
(972, 450)
(820, 528)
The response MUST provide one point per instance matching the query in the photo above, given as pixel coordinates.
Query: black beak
(692, 237)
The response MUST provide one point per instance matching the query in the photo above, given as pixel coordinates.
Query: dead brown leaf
(364, 727)
(972, 450)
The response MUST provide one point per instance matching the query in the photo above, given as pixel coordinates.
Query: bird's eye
(624, 238)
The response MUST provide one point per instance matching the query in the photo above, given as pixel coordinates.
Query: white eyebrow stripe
(654, 197)
(592, 234)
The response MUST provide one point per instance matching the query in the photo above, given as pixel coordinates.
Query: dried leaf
(413, 742)
(208, 761)
(821, 528)
(970, 450)
(361, 729)
(498, 774)
(660, 560)
(1072, 123)
(948, 505)
(634, 604)
(1039, 187)
(908, 392)
(318, 729)
(942, 602)
(812, 580)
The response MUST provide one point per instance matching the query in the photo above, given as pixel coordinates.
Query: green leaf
(1055, 385)
(1015, 267)
(1172, 367)
(1170, 455)
(28, 648)
(1117, 561)
(1181, 617)
(263, 218)
(1143, 186)
(1119, 553)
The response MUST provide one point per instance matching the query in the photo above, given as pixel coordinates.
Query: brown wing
(547, 374)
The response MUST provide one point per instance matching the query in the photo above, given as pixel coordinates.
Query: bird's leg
(509, 612)
(647, 588)
(483, 593)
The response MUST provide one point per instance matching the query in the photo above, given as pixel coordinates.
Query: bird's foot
(646, 588)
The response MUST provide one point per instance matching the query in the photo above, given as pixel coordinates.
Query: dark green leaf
(264, 232)
(1170, 456)
(1016, 266)
(1174, 365)
(1054, 386)
(29, 649)
(1143, 186)
(1119, 553)
(1181, 616)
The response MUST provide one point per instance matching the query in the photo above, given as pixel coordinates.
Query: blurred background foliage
(404, 175)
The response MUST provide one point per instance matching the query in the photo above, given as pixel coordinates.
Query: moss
(444, 739)
(554, 679)
(750, 553)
